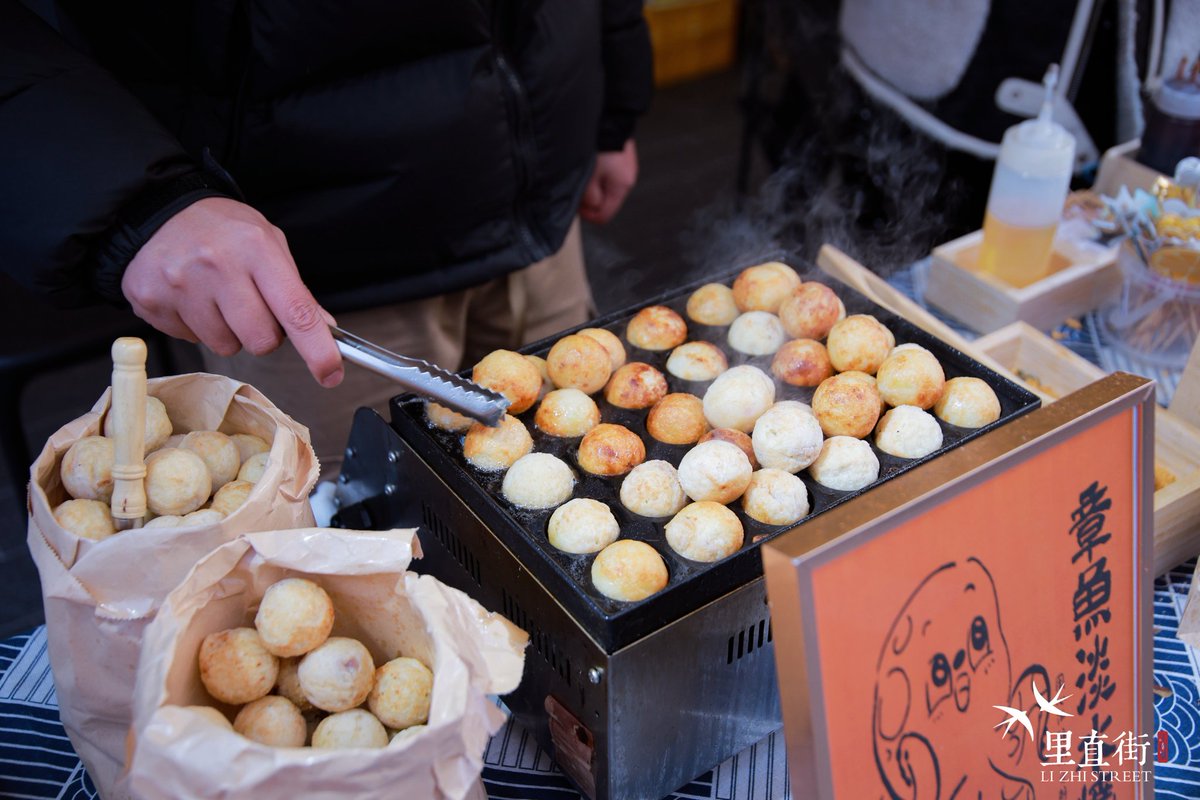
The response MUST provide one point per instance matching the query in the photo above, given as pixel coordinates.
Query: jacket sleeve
(87, 174)
(628, 71)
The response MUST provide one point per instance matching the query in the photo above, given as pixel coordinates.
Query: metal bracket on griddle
(368, 495)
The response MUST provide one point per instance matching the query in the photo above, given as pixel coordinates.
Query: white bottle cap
(1038, 148)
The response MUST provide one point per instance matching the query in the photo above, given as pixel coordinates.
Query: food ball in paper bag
(254, 467)
(205, 516)
(294, 617)
(338, 675)
(165, 521)
(249, 445)
(87, 519)
(177, 482)
(356, 728)
(218, 452)
(272, 720)
(158, 424)
(401, 694)
(86, 469)
(235, 667)
(212, 715)
(229, 498)
(288, 683)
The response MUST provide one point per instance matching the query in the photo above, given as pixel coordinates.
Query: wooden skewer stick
(128, 410)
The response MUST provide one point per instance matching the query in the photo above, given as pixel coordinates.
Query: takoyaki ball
(294, 616)
(538, 480)
(87, 519)
(249, 445)
(845, 464)
(859, 342)
(582, 526)
(738, 397)
(177, 481)
(86, 469)
(174, 440)
(230, 497)
(847, 404)
(764, 287)
(908, 432)
(235, 666)
(609, 449)
(656, 328)
(811, 311)
(254, 467)
(756, 333)
(566, 413)
(167, 521)
(512, 375)
(198, 519)
(697, 361)
(652, 489)
(287, 683)
(211, 715)
(787, 437)
(544, 371)
(910, 377)
(579, 362)
(775, 497)
(337, 675)
(715, 471)
(802, 362)
(402, 691)
(354, 728)
(712, 304)
(705, 531)
(677, 419)
(610, 342)
(496, 449)
(635, 385)
(158, 424)
(218, 452)
(441, 417)
(968, 403)
(272, 720)
(629, 570)
(736, 437)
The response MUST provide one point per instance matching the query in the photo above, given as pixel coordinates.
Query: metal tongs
(423, 378)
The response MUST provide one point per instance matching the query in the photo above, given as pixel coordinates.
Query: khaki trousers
(452, 330)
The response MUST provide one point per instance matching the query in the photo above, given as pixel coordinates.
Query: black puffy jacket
(406, 147)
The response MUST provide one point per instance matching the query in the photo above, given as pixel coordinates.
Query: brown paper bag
(472, 653)
(99, 596)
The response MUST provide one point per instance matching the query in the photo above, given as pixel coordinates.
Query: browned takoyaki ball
(712, 304)
(547, 384)
(811, 311)
(441, 417)
(635, 385)
(859, 342)
(733, 436)
(677, 419)
(579, 362)
(610, 341)
(512, 375)
(86, 469)
(697, 361)
(764, 287)
(656, 328)
(968, 403)
(802, 362)
(495, 449)
(911, 376)
(629, 570)
(847, 404)
(609, 449)
(235, 666)
(567, 412)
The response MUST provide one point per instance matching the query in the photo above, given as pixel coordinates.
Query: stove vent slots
(747, 641)
(465, 558)
(538, 638)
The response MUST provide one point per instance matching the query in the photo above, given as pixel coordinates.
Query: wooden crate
(1119, 167)
(691, 37)
(1042, 364)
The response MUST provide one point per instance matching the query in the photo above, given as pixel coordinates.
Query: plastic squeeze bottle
(1029, 188)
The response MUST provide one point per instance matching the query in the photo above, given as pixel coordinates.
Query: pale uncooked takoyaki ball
(579, 362)
(230, 497)
(697, 361)
(198, 519)
(716, 471)
(811, 311)
(629, 570)
(177, 481)
(968, 403)
(712, 304)
(355, 728)
(218, 452)
(787, 437)
(211, 715)
(735, 437)
(656, 328)
(512, 375)
(249, 445)
(802, 362)
(756, 333)
(87, 519)
(583, 525)
(544, 371)
(287, 683)
(764, 287)
(738, 397)
(158, 424)
(338, 674)
(272, 720)
(652, 489)
(677, 419)
(859, 342)
(441, 417)
(294, 616)
(705, 531)
(775, 497)
(86, 469)
(495, 449)
(167, 521)
(252, 471)
(908, 432)
(538, 480)
(635, 385)
(846, 464)
(611, 342)
(911, 377)
(566, 413)
(400, 697)
(235, 666)
(847, 404)
(609, 449)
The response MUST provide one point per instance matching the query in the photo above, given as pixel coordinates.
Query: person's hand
(219, 273)
(614, 175)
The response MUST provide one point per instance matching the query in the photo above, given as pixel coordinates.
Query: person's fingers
(206, 321)
(251, 321)
(169, 323)
(304, 322)
(614, 196)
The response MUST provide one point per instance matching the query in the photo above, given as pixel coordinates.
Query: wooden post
(128, 410)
